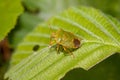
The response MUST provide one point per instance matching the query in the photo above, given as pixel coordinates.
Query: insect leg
(68, 51)
(52, 40)
(58, 48)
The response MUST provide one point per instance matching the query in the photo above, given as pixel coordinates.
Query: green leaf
(100, 39)
(9, 11)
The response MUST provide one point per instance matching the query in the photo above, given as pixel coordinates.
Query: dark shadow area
(108, 69)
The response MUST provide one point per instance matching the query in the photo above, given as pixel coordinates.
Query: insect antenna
(51, 30)
(50, 34)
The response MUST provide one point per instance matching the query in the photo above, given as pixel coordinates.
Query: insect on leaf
(100, 39)
(65, 40)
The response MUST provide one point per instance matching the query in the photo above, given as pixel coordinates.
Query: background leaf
(54, 6)
(100, 39)
(26, 23)
(9, 11)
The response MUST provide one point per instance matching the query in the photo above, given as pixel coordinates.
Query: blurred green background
(38, 11)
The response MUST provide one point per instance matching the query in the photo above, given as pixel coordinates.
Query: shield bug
(64, 41)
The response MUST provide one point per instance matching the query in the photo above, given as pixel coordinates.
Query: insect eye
(76, 43)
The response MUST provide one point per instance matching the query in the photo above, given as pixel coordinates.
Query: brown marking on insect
(76, 43)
